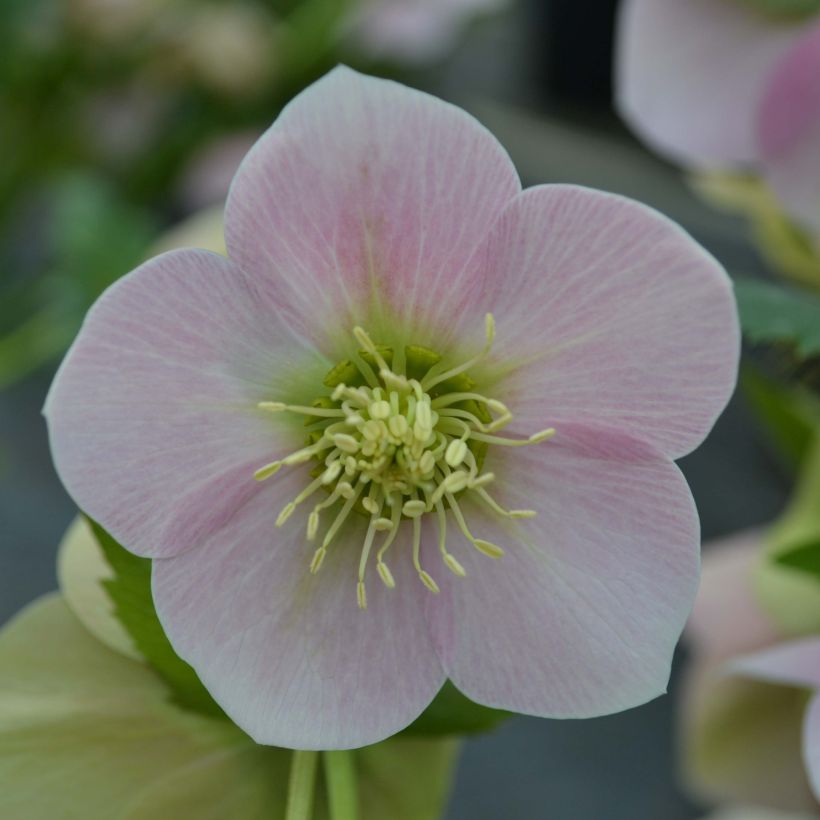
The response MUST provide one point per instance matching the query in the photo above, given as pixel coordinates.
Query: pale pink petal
(152, 416)
(581, 615)
(609, 315)
(289, 655)
(811, 744)
(727, 618)
(789, 127)
(691, 74)
(363, 204)
(796, 663)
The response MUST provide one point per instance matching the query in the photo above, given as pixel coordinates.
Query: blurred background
(122, 118)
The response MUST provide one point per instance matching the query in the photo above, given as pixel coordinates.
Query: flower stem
(340, 779)
(301, 785)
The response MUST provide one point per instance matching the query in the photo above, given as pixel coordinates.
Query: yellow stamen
(385, 432)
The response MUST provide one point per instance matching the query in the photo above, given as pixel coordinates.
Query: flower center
(396, 447)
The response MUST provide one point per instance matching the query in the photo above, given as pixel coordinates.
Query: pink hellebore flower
(377, 237)
(796, 663)
(740, 737)
(720, 84)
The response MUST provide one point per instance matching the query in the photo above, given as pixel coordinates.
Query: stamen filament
(489, 331)
(278, 407)
(395, 518)
(485, 547)
(367, 343)
(449, 560)
(425, 577)
(343, 513)
(497, 508)
(535, 438)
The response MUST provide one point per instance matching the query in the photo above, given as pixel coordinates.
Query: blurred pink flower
(719, 84)
(796, 663)
(741, 737)
(207, 176)
(372, 233)
(414, 31)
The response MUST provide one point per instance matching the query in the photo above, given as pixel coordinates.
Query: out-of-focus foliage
(793, 252)
(109, 108)
(91, 731)
(774, 314)
(788, 9)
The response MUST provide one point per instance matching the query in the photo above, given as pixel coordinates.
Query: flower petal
(811, 744)
(152, 415)
(789, 128)
(609, 315)
(365, 197)
(581, 615)
(287, 654)
(796, 663)
(691, 75)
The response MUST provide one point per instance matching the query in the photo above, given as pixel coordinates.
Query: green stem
(340, 779)
(301, 786)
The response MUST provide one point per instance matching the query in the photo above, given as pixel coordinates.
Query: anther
(312, 525)
(361, 595)
(454, 566)
(394, 381)
(286, 513)
(379, 409)
(317, 560)
(346, 443)
(397, 425)
(385, 574)
(489, 549)
(332, 472)
(414, 508)
(456, 451)
(268, 470)
(428, 581)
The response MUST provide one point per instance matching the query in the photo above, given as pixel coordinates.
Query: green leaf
(452, 713)
(773, 313)
(789, 9)
(89, 731)
(790, 413)
(130, 593)
(791, 598)
(34, 342)
(805, 558)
